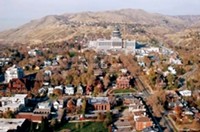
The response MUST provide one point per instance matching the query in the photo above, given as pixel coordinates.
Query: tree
(108, 119)
(44, 126)
(39, 76)
(171, 81)
(196, 124)
(31, 129)
(84, 105)
(96, 91)
(69, 79)
(54, 123)
(106, 81)
(9, 114)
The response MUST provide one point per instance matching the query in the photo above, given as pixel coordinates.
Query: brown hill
(63, 27)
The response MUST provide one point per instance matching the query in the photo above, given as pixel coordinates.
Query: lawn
(85, 127)
(124, 90)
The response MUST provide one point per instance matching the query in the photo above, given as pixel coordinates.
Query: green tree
(44, 126)
(54, 123)
(108, 119)
(32, 129)
(171, 81)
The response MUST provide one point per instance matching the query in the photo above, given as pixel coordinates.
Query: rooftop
(8, 124)
(143, 119)
(99, 100)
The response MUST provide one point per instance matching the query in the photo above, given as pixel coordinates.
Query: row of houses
(139, 112)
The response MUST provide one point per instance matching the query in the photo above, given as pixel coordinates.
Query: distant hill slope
(63, 27)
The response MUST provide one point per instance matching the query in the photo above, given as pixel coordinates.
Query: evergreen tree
(44, 126)
(108, 119)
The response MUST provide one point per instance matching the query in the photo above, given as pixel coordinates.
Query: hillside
(137, 24)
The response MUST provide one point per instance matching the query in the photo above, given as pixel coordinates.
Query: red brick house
(142, 123)
(31, 116)
(100, 103)
(123, 82)
(17, 86)
(104, 106)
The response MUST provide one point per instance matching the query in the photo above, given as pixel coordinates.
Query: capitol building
(116, 43)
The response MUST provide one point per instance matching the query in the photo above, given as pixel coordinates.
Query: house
(103, 65)
(54, 63)
(79, 102)
(4, 61)
(138, 114)
(59, 87)
(69, 90)
(14, 103)
(100, 103)
(43, 91)
(185, 93)
(47, 72)
(124, 71)
(50, 90)
(79, 90)
(174, 60)
(123, 125)
(136, 106)
(98, 72)
(34, 52)
(13, 72)
(47, 63)
(17, 125)
(172, 70)
(58, 57)
(17, 86)
(142, 123)
(123, 82)
(58, 104)
(34, 117)
(43, 108)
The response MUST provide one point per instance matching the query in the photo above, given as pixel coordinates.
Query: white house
(172, 70)
(47, 63)
(11, 124)
(44, 105)
(186, 93)
(43, 108)
(50, 90)
(69, 90)
(175, 61)
(59, 87)
(79, 90)
(48, 72)
(79, 102)
(13, 103)
(13, 72)
(34, 52)
(58, 104)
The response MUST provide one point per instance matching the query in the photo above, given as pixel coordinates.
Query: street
(146, 94)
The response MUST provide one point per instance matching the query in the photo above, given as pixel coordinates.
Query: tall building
(13, 73)
(115, 43)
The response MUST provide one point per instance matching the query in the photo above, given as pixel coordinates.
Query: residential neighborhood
(99, 66)
(80, 85)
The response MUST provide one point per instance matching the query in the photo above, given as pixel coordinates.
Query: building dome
(116, 33)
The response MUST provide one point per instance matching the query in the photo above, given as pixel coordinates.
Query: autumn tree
(106, 80)
(84, 106)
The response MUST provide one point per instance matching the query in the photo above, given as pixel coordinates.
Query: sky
(14, 13)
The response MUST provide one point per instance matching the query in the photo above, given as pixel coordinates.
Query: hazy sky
(17, 12)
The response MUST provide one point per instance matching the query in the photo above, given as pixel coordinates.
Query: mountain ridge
(63, 27)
